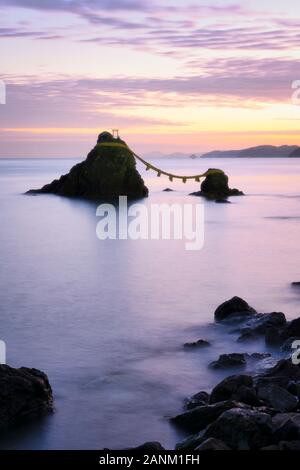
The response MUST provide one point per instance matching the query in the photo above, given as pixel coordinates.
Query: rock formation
(107, 172)
(24, 394)
(215, 187)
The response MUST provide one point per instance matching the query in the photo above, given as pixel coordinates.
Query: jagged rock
(235, 307)
(212, 444)
(296, 284)
(24, 394)
(215, 187)
(228, 388)
(198, 418)
(277, 397)
(242, 429)
(199, 399)
(107, 172)
(201, 343)
(229, 360)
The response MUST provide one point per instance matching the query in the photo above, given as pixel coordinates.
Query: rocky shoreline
(259, 411)
(247, 411)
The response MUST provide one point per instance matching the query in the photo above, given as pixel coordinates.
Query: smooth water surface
(106, 320)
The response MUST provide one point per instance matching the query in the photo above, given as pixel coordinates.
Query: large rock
(242, 429)
(199, 399)
(230, 388)
(24, 394)
(226, 361)
(277, 397)
(107, 172)
(215, 186)
(198, 418)
(235, 307)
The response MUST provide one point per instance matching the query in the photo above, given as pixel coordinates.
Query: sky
(187, 76)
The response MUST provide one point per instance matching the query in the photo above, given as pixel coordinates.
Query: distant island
(261, 151)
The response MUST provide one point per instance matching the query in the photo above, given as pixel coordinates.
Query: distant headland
(260, 151)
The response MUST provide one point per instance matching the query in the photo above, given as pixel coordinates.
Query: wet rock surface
(25, 394)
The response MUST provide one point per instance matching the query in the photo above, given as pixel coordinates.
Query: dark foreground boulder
(242, 429)
(107, 172)
(24, 394)
(198, 418)
(235, 307)
(215, 186)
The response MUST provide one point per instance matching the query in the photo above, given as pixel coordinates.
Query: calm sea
(106, 320)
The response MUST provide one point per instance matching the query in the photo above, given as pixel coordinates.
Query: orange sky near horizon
(172, 76)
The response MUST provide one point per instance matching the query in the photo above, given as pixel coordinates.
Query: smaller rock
(235, 307)
(201, 343)
(168, 190)
(296, 284)
(199, 399)
(229, 360)
(212, 444)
